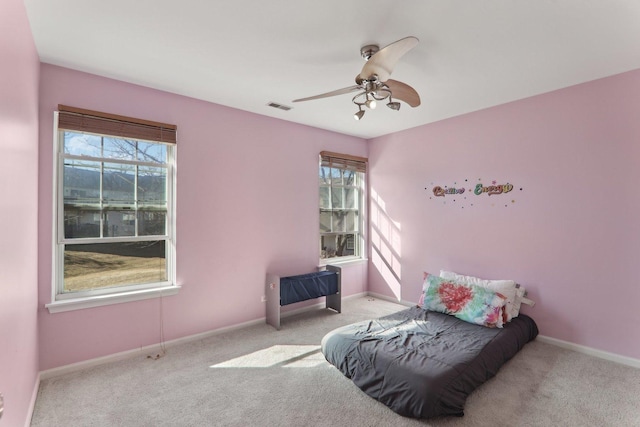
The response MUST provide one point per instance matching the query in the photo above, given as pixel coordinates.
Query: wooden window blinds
(343, 161)
(79, 119)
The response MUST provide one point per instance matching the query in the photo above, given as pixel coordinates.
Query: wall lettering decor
(468, 194)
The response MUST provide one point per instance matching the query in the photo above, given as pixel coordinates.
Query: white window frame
(359, 243)
(61, 301)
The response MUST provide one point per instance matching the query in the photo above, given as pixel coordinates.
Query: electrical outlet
(263, 299)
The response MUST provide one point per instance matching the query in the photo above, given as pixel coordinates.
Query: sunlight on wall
(386, 244)
(286, 356)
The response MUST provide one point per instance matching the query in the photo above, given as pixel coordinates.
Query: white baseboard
(155, 348)
(86, 364)
(391, 299)
(32, 404)
(624, 360)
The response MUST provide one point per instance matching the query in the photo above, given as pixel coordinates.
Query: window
(114, 207)
(342, 184)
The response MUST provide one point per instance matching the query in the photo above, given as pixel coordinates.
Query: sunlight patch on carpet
(290, 356)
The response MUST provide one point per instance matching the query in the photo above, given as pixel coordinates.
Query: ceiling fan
(373, 83)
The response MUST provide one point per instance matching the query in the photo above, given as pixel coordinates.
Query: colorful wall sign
(460, 193)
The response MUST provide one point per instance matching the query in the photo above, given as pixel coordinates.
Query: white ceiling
(244, 54)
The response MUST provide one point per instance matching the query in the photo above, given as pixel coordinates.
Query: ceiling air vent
(279, 106)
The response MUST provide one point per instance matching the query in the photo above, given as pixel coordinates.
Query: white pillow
(505, 287)
(520, 293)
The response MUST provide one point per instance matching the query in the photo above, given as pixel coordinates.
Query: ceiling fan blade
(403, 92)
(332, 93)
(382, 62)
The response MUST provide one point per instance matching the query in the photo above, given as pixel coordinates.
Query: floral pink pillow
(471, 303)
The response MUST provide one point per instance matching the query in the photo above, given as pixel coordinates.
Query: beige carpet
(258, 376)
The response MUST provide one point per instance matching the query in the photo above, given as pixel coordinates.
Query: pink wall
(19, 68)
(571, 235)
(247, 204)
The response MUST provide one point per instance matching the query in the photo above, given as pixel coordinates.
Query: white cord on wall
(163, 349)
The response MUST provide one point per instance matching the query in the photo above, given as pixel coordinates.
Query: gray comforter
(423, 364)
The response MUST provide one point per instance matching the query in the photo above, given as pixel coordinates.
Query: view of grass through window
(105, 265)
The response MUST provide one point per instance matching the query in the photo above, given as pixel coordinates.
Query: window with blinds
(115, 211)
(341, 189)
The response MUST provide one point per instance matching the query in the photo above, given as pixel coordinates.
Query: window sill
(342, 263)
(118, 298)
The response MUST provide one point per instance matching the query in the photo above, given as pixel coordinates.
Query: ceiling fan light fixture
(373, 84)
(394, 105)
(371, 103)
